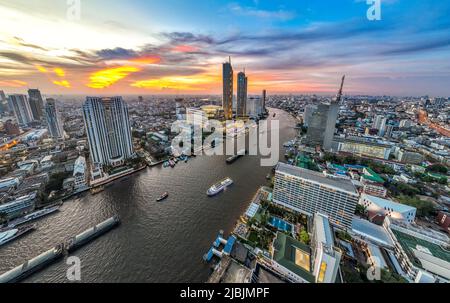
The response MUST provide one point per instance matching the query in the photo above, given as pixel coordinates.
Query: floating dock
(26, 269)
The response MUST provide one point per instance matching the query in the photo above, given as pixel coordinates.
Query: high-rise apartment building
(317, 125)
(21, 108)
(264, 99)
(310, 192)
(36, 103)
(241, 109)
(108, 130)
(54, 121)
(227, 100)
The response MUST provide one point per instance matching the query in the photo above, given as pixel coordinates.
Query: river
(156, 242)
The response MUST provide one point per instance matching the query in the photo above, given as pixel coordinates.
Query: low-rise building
(19, 206)
(388, 208)
(420, 250)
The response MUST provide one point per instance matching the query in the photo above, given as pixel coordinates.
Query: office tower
(180, 110)
(377, 122)
(54, 122)
(317, 126)
(108, 130)
(382, 127)
(21, 108)
(323, 123)
(227, 101)
(140, 100)
(241, 95)
(264, 100)
(254, 106)
(308, 114)
(36, 103)
(388, 131)
(3, 103)
(332, 116)
(310, 192)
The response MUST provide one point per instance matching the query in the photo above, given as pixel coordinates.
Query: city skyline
(290, 47)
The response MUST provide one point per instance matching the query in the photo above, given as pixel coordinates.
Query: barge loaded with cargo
(92, 233)
(28, 268)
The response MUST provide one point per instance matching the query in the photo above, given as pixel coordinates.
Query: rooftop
(317, 177)
(371, 231)
(388, 203)
(293, 255)
(411, 243)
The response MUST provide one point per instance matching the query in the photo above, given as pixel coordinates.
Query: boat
(97, 190)
(163, 197)
(233, 158)
(219, 187)
(12, 234)
(274, 115)
(166, 164)
(172, 163)
(268, 177)
(33, 216)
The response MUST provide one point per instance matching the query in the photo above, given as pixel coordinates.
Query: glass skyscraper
(227, 101)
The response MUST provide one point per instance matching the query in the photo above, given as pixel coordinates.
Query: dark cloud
(116, 53)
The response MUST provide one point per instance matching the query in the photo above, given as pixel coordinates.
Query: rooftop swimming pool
(280, 224)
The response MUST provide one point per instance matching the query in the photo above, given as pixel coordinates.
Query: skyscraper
(241, 95)
(54, 122)
(36, 103)
(264, 99)
(307, 115)
(21, 108)
(227, 101)
(3, 102)
(323, 123)
(317, 125)
(108, 130)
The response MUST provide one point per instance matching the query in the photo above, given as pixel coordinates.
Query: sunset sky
(177, 46)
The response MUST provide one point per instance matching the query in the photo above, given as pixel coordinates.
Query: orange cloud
(59, 72)
(146, 60)
(187, 83)
(13, 83)
(185, 49)
(41, 68)
(63, 83)
(107, 77)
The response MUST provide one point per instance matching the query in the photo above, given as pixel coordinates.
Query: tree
(424, 208)
(360, 209)
(438, 168)
(304, 237)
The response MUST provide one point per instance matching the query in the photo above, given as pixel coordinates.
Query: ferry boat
(163, 197)
(219, 187)
(12, 234)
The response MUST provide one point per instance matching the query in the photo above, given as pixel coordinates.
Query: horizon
(172, 48)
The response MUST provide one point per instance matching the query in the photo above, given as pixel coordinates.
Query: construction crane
(339, 95)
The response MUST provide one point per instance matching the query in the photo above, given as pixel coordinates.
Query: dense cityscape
(360, 192)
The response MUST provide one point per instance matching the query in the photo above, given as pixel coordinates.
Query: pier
(220, 241)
